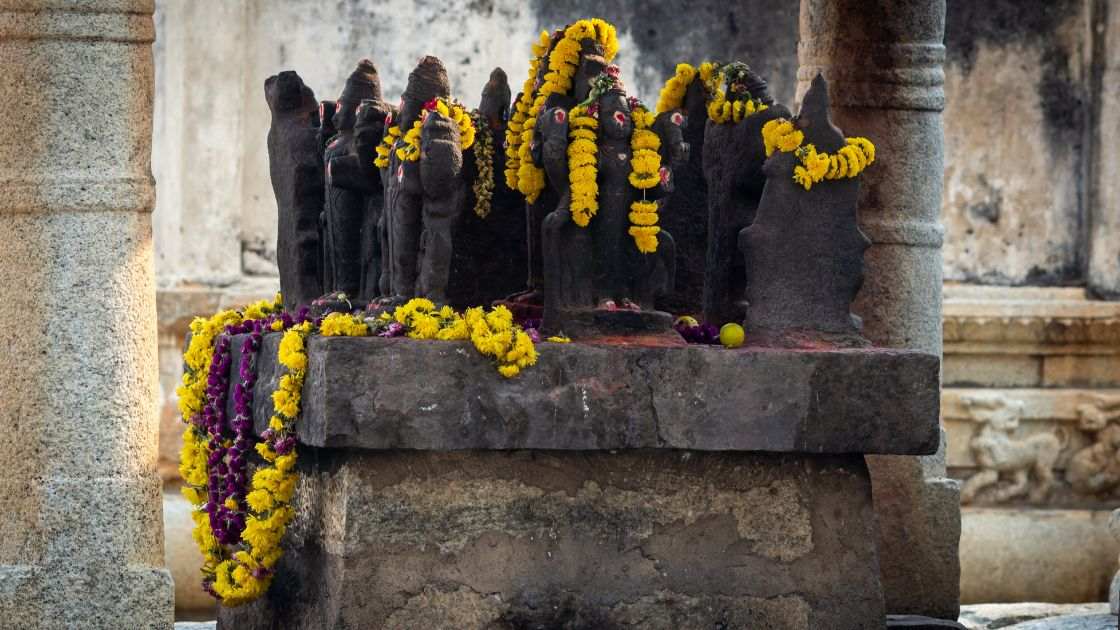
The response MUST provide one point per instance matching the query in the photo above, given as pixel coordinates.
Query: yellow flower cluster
(563, 62)
(493, 333)
(672, 93)
(521, 110)
(780, 134)
(410, 151)
(583, 158)
(721, 110)
(484, 160)
(196, 451)
(383, 149)
(851, 160)
(645, 173)
(247, 574)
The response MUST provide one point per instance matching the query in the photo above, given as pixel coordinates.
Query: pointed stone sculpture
(490, 244)
(347, 184)
(804, 249)
(733, 155)
(295, 167)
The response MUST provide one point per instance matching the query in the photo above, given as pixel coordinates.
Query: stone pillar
(81, 535)
(883, 61)
(1104, 187)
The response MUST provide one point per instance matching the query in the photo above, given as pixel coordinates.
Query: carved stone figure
(733, 155)
(1095, 469)
(804, 249)
(326, 132)
(491, 251)
(685, 213)
(427, 195)
(348, 184)
(611, 291)
(356, 172)
(295, 167)
(998, 453)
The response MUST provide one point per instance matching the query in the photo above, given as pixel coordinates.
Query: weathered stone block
(533, 539)
(403, 394)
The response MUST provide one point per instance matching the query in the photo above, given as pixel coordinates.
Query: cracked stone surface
(376, 393)
(502, 540)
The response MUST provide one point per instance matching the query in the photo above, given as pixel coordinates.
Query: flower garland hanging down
(672, 93)
(645, 173)
(856, 155)
(392, 134)
(238, 523)
(521, 109)
(563, 62)
(583, 158)
(410, 151)
(484, 160)
(742, 104)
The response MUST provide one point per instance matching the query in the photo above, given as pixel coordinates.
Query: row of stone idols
(434, 217)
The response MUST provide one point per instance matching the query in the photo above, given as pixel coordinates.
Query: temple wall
(1028, 205)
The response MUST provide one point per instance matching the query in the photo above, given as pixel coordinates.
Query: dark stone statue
(425, 197)
(326, 132)
(347, 183)
(685, 213)
(491, 251)
(356, 172)
(295, 167)
(804, 249)
(598, 283)
(733, 155)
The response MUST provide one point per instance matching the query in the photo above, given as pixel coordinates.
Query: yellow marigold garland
(852, 159)
(563, 62)
(721, 110)
(454, 110)
(383, 149)
(493, 332)
(246, 573)
(521, 110)
(583, 158)
(645, 173)
(672, 93)
(484, 160)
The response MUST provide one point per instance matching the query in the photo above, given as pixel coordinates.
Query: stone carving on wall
(999, 454)
(1059, 448)
(1095, 469)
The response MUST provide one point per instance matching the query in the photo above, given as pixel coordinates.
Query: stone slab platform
(384, 394)
(510, 540)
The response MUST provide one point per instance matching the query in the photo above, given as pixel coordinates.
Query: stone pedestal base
(591, 539)
(43, 598)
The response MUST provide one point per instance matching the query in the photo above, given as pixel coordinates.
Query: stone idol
(804, 249)
(296, 169)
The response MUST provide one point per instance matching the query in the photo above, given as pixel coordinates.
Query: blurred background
(1030, 206)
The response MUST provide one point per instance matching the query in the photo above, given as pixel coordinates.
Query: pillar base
(45, 598)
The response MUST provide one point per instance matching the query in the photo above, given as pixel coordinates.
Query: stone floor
(1026, 616)
(1033, 616)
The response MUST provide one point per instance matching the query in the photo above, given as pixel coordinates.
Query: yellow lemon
(732, 335)
(686, 320)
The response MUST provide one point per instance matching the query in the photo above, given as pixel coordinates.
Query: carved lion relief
(998, 454)
(1095, 469)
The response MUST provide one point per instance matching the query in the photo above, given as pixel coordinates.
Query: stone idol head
(286, 92)
(428, 80)
(362, 84)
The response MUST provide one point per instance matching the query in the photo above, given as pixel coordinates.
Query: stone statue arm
(349, 171)
(441, 158)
